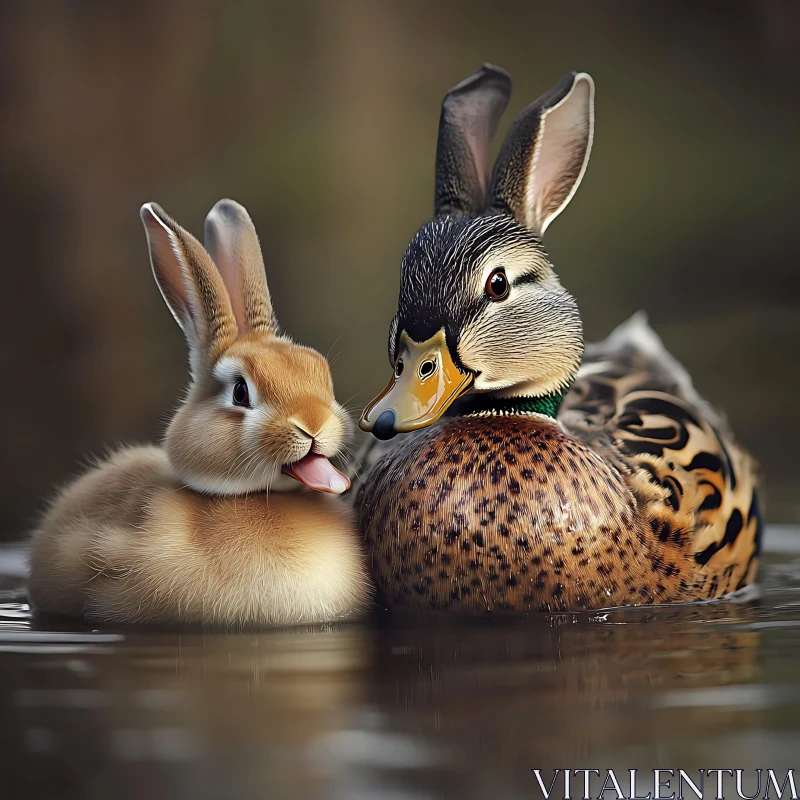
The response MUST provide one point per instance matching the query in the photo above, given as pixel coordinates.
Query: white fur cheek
(255, 419)
(254, 469)
(345, 423)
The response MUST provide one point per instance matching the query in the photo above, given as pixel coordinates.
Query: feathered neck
(547, 405)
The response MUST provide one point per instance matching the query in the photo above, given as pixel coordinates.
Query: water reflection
(419, 707)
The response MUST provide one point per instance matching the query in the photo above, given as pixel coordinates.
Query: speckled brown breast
(509, 514)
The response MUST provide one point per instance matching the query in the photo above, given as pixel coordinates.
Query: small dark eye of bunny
(497, 285)
(241, 394)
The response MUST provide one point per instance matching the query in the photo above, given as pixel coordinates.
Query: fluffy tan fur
(126, 543)
(199, 531)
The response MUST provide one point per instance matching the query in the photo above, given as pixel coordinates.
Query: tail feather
(637, 346)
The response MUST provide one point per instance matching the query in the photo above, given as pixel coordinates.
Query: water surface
(412, 707)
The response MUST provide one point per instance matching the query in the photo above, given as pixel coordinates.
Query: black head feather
(438, 273)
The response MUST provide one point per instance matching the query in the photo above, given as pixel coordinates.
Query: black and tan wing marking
(633, 403)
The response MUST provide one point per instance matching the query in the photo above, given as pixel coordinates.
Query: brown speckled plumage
(497, 513)
(637, 495)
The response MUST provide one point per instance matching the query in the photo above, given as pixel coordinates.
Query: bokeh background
(321, 118)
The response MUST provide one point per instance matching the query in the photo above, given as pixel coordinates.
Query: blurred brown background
(321, 118)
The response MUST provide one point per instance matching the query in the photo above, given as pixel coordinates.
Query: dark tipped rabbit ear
(191, 286)
(471, 112)
(232, 241)
(545, 153)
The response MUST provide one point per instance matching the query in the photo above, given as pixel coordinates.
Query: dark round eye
(427, 368)
(241, 395)
(497, 285)
(398, 369)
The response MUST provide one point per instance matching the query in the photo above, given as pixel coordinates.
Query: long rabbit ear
(545, 153)
(231, 239)
(191, 286)
(470, 114)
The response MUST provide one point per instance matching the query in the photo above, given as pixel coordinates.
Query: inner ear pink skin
(316, 472)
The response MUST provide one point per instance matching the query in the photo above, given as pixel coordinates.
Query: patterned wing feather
(634, 404)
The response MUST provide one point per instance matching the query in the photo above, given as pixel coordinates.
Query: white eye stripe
(227, 371)
(514, 261)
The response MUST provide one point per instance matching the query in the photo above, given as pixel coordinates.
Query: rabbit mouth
(316, 472)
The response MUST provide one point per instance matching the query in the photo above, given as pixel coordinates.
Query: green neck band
(547, 405)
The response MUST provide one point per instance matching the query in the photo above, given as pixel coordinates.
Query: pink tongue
(316, 472)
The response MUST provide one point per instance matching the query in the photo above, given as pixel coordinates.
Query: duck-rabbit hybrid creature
(533, 475)
(201, 529)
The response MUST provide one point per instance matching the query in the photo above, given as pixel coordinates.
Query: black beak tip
(384, 426)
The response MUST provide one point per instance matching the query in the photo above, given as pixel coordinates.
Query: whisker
(330, 349)
(245, 454)
(352, 397)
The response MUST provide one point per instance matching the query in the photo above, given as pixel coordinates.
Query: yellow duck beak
(425, 383)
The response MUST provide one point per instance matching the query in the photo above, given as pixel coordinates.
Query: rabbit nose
(302, 427)
(312, 421)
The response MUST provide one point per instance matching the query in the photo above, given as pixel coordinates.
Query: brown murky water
(404, 708)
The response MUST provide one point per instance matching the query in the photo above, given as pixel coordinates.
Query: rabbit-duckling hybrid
(202, 530)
